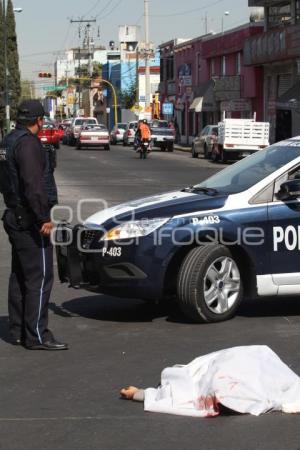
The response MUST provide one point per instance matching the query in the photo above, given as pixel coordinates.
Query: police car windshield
(249, 171)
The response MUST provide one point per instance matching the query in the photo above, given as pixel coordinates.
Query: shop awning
(197, 104)
(290, 99)
(204, 98)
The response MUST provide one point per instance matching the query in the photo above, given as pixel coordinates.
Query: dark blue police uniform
(29, 194)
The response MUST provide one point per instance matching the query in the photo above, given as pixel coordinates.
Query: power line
(92, 8)
(103, 9)
(67, 35)
(112, 10)
(186, 12)
(139, 19)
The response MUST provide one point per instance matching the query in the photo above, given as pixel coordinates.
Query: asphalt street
(69, 400)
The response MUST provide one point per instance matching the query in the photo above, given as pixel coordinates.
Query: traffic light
(45, 75)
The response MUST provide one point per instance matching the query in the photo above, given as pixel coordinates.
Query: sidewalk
(183, 148)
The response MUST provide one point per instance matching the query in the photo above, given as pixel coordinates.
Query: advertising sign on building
(185, 74)
(167, 109)
(227, 88)
(240, 105)
(70, 99)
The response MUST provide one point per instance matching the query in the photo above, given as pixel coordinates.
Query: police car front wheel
(209, 287)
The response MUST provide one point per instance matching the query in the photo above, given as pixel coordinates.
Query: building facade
(276, 52)
(122, 66)
(206, 77)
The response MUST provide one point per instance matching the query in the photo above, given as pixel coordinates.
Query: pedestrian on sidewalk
(29, 190)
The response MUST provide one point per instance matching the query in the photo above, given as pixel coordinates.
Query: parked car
(76, 126)
(60, 131)
(66, 122)
(92, 135)
(117, 133)
(49, 134)
(62, 126)
(204, 142)
(129, 133)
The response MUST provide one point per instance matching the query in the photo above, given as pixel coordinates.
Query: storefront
(203, 107)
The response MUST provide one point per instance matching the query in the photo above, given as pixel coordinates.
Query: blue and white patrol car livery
(236, 234)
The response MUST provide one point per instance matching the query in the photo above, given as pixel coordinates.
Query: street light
(7, 109)
(226, 13)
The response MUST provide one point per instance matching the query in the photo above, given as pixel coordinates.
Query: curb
(182, 149)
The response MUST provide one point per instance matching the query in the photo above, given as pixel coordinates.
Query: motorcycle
(144, 149)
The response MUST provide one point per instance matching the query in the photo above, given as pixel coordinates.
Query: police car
(208, 246)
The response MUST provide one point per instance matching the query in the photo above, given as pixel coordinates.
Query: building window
(162, 69)
(212, 68)
(198, 67)
(279, 15)
(238, 63)
(284, 83)
(170, 68)
(223, 66)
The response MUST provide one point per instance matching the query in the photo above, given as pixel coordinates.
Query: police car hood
(164, 205)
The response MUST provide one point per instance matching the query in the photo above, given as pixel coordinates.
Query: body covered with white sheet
(249, 379)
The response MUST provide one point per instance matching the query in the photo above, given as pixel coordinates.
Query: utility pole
(79, 72)
(137, 93)
(90, 69)
(67, 84)
(90, 66)
(147, 51)
(206, 23)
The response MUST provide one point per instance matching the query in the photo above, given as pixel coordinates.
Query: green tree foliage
(127, 97)
(83, 70)
(14, 81)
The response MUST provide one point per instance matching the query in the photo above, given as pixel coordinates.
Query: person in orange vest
(145, 132)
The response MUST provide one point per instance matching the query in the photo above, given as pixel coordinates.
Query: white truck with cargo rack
(240, 137)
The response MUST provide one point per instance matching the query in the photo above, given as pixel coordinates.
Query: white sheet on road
(250, 379)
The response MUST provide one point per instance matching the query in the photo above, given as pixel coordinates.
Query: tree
(14, 81)
(127, 97)
(83, 70)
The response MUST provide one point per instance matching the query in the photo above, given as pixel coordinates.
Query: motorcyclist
(137, 137)
(145, 133)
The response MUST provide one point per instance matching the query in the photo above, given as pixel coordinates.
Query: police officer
(29, 192)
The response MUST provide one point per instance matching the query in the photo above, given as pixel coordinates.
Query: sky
(44, 30)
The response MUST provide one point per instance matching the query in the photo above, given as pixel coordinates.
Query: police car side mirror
(289, 190)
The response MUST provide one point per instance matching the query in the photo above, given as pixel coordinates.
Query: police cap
(30, 110)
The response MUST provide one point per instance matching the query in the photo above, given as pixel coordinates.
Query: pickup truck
(239, 137)
(162, 135)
